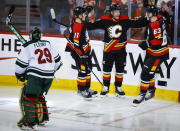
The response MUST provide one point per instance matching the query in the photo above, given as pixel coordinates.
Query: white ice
(72, 113)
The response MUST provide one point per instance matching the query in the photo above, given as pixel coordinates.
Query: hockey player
(79, 47)
(115, 37)
(36, 63)
(157, 52)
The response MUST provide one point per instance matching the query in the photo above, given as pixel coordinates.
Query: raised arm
(141, 22)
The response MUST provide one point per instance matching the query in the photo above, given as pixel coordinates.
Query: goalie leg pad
(43, 114)
(29, 109)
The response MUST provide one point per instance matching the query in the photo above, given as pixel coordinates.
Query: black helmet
(35, 34)
(152, 9)
(114, 7)
(79, 10)
(89, 9)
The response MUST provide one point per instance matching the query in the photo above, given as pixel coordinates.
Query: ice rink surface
(69, 112)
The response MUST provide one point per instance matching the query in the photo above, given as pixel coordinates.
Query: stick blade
(11, 9)
(52, 13)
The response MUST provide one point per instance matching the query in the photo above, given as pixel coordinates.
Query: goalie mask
(35, 34)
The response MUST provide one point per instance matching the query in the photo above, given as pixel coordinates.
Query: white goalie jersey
(38, 59)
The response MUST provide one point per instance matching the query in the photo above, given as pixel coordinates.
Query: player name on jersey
(39, 44)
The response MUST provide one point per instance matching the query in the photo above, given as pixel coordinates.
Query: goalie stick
(52, 12)
(11, 27)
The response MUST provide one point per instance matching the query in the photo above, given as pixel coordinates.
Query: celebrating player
(115, 37)
(157, 51)
(79, 47)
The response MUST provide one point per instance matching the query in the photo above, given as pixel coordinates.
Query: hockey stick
(54, 19)
(11, 27)
(53, 15)
(87, 66)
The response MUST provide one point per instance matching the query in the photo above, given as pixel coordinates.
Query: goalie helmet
(35, 34)
(79, 10)
(152, 9)
(114, 7)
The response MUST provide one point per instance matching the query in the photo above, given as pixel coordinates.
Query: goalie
(37, 62)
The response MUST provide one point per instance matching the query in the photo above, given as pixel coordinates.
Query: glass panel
(137, 11)
(35, 14)
(166, 8)
(63, 10)
(40, 13)
(19, 15)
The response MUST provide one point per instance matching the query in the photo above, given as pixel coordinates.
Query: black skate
(23, 125)
(119, 92)
(150, 94)
(139, 99)
(85, 94)
(104, 91)
(92, 92)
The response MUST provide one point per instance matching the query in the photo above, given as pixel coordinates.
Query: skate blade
(149, 98)
(120, 96)
(43, 124)
(135, 105)
(28, 128)
(94, 96)
(103, 96)
(87, 99)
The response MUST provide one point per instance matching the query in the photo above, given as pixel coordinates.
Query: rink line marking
(138, 114)
(77, 121)
(90, 123)
(108, 123)
(9, 111)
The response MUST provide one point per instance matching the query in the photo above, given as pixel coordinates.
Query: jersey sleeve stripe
(39, 72)
(20, 64)
(57, 60)
(58, 56)
(24, 63)
(44, 71)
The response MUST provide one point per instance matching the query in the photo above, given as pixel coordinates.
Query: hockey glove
(144, 45)
(21, 77)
